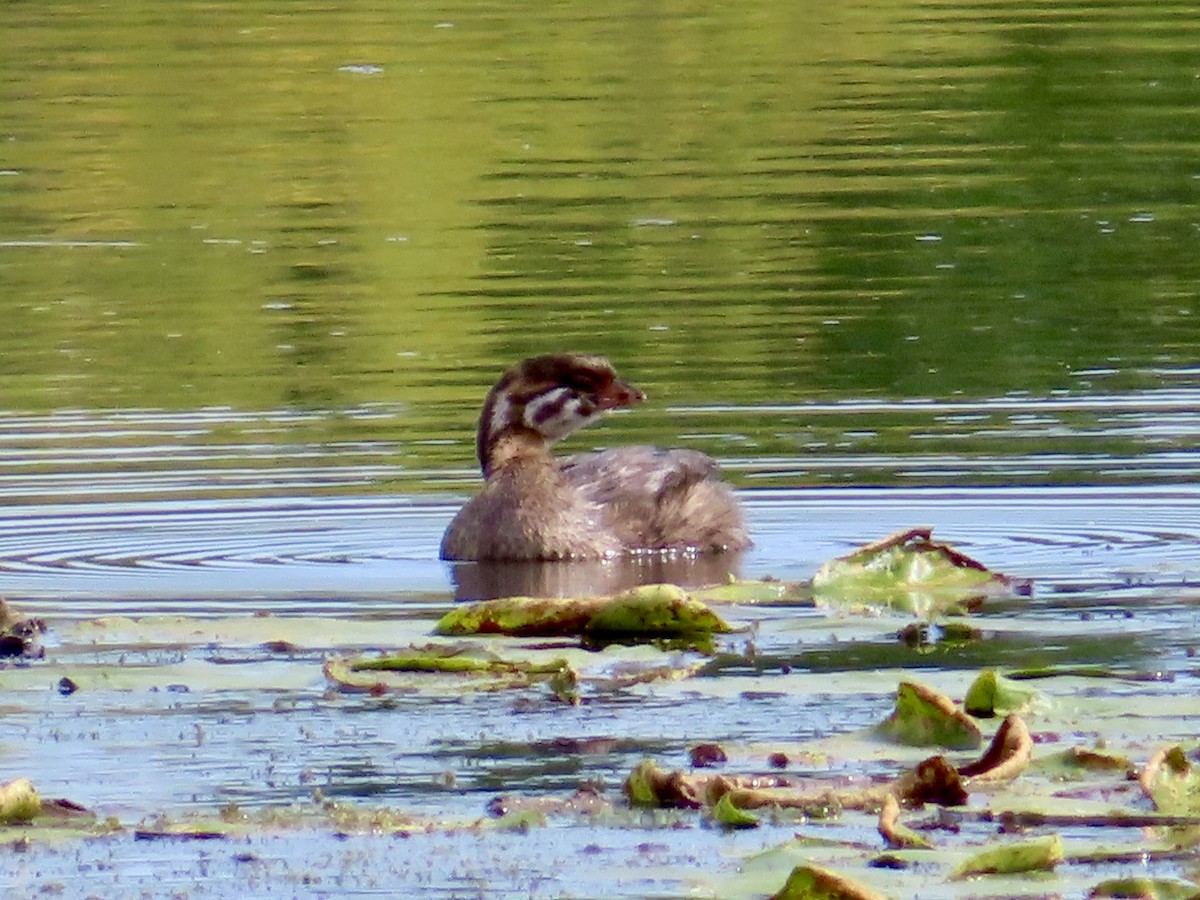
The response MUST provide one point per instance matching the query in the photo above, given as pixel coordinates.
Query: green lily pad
(727, 815)
(809, 882)
(649, 612)
(521, 616)
(19, 802)
(653, 611)
(910, 572)
(1172, 781)
(991, 694)
(1038, 855)
(924, 718)
(1145, 889)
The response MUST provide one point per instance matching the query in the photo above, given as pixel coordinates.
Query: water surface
(893, 263)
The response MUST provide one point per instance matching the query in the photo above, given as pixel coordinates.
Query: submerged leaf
(911, 572)
(809, 882)
(925, 718)
(1077, 761)
(1028, 856)
(417, 667)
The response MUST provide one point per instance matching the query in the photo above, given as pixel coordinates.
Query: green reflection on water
(266, 206)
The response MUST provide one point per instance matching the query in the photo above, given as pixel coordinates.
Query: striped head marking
(551, 396)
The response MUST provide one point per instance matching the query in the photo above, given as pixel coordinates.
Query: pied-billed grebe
(595, 505)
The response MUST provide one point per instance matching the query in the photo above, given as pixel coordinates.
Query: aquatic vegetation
(833, 811)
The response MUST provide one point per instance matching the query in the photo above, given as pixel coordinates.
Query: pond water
(892, 264)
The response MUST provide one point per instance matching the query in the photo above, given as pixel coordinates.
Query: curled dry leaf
(933, 780)
(897, 836)
(19, 635)
(1006, 757)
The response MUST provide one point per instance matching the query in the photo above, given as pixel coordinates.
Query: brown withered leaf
(1006, 757)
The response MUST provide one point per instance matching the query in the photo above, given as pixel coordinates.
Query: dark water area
(892, 264)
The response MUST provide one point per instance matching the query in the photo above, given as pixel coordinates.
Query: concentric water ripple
(333, 552)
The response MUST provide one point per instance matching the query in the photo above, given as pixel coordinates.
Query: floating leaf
(1172, 781)
(653, 611)
(991, 694)
(911, 572)
(648, 785)
(809, 882)
(522, 616)
(1042, 854)
(925, 718)
(1077, 761)
(19, 802)
(754, 591)
(649, 612)
(1145, 889)
(463, 667)
(728, 815)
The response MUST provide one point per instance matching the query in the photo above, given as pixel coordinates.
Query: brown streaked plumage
(591, 506)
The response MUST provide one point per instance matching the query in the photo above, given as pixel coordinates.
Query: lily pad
(19, 802)
(653, 611)
(1145, 889)
(726, 814)
(911, 572)
(650, 612)
(925, 718)
(522, 616)
(991, 694)
(1042, 854)
(810, 882)
(1172, 780)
